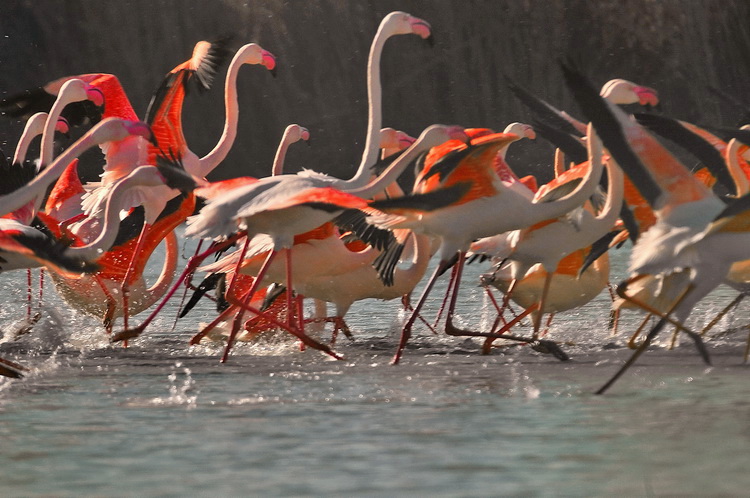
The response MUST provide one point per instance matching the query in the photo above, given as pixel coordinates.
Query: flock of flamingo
(344, 240)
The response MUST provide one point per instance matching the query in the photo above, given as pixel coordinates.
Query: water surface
(161, 418)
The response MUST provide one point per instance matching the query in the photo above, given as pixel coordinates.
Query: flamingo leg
(487, 346)
(292, 306)
(406, 302)
(28, 295)
(445, 298)
(299, 301)
(621, 291)
(542, 302)
(125, 288)
(646, 342)
(41, 287)
(547, 325)
(253, 288)
(406, 329)
(223, 316)
(187, 287)
(614, 314)
(294, 330)
(192, 264)
(109, 315)
(631, 342)
(723, 312)
(500, 334)
(450, 329)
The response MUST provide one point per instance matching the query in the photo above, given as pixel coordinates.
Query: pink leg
(450, 329)
(41, 286)
(129, 273)
(28, 294)
(237, 322)
(189, 268)
(187, 286)
(445, 298)
(406, 330)
(224, 315)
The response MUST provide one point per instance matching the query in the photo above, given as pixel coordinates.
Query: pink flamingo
(474, 215)
(290, 195)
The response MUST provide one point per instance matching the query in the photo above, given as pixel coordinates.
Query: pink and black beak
(423, 29)
(269, 61)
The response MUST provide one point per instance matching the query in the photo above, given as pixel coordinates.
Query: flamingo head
(619, 91)
(252, 53)
(402, 23)
(437, 134)
(62, 126)
(77, 90)
(523, 130)
(391, 138)
(115, 129)
(295, 133)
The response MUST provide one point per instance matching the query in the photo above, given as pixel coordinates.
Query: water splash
(179, 394)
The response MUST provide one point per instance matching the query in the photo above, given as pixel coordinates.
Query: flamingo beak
(647, 96)
(269, 61)
(423, 29)
(63, 127)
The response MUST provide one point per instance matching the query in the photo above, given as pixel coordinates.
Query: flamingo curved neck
(583, 191)
(615, 193)
(156, 291)
(735, 170)
(391, 173)
(231, 116)
(34, 127)
(421, 259)
(280, 158)
(375, 111)
(48, 134)
(115, 204)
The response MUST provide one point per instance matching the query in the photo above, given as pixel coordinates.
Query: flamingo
(165, 110)
(474, 215)
(617, 91)
(218, 218)
(35, 127)
(568, 287)
(110, 129)
(320, 257)
(298, 214)
(363, 281)
(690, 218)
(29, 102)
(23, 171)
(549, 241)
(122, 158)
(292, 134)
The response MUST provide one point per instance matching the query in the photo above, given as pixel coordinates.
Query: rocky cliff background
(679, 47)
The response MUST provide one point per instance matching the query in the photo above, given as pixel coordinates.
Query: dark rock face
(679, 47)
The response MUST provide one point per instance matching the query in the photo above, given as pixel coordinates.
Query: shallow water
(163, 419)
